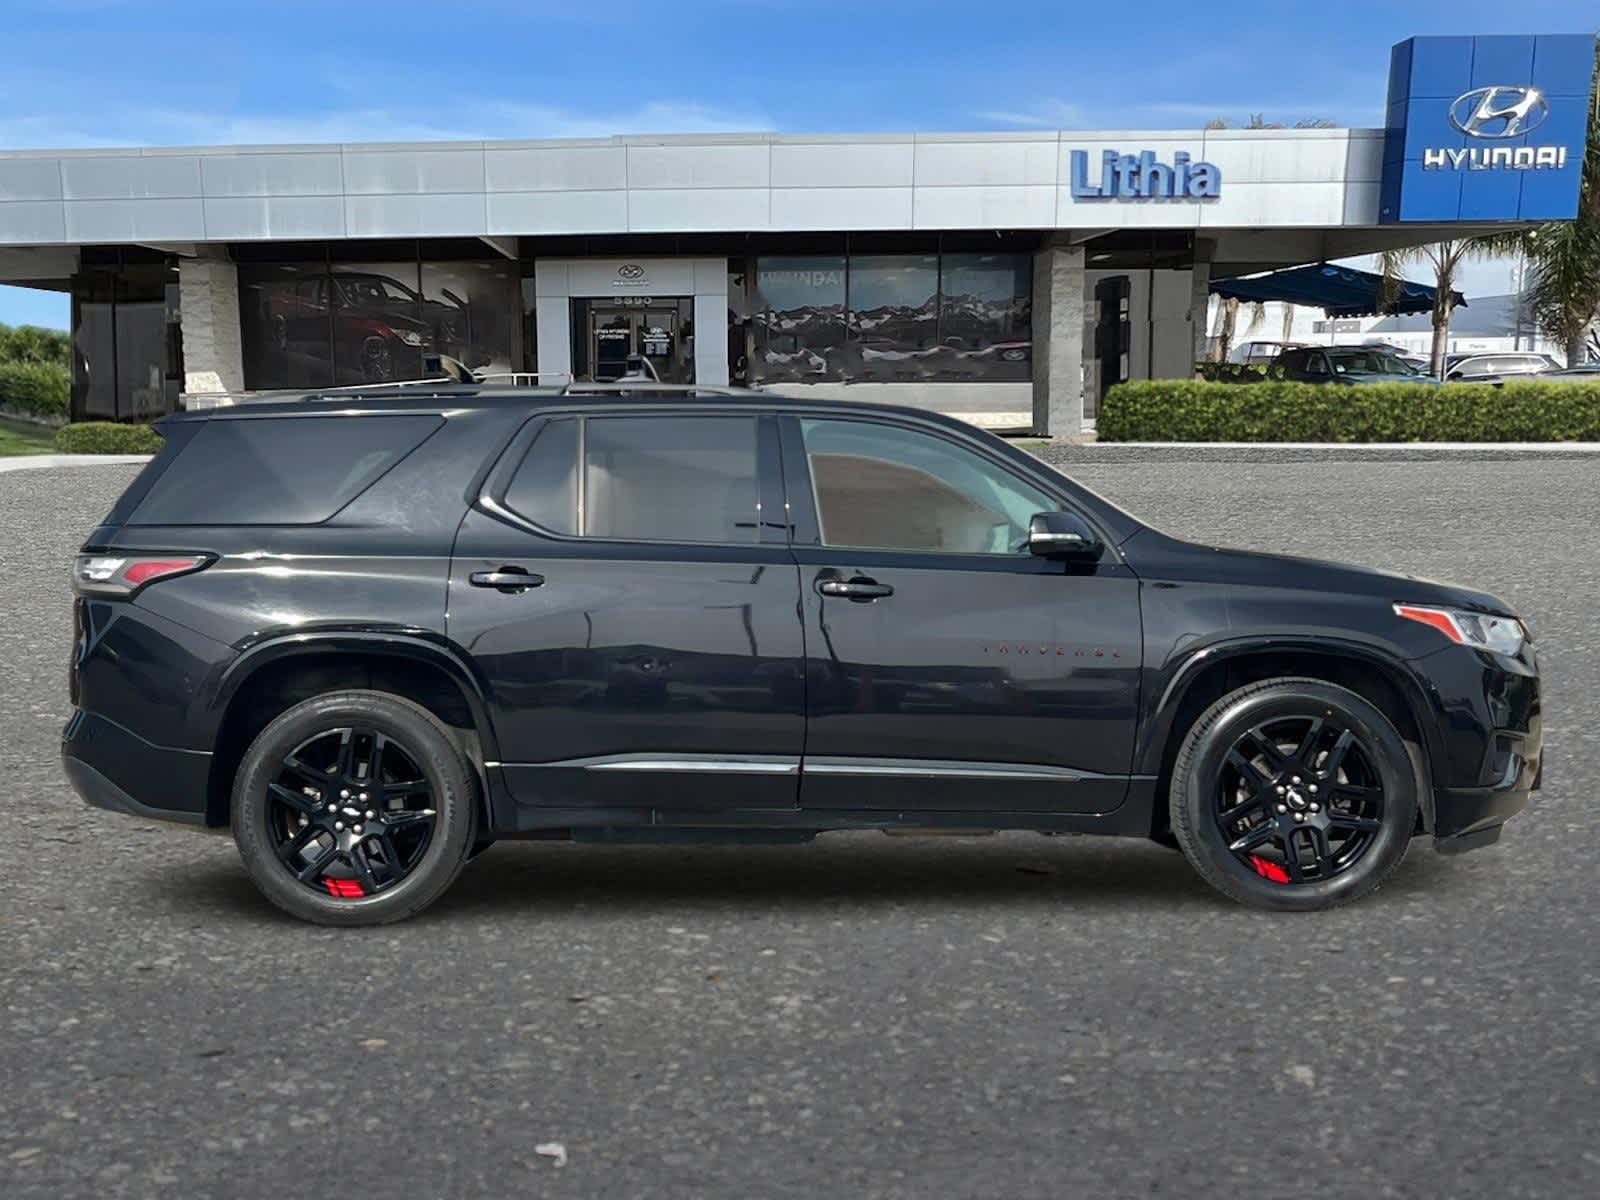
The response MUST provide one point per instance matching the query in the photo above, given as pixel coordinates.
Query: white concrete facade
(559, 281)
(1299, 178)
(1286, 196)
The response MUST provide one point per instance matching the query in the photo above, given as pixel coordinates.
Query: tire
(1263, 819)
(289, 787)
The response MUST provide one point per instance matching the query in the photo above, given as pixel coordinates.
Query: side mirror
(1061, 535)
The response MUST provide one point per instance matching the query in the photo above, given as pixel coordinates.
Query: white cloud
(467, 118)
(1047, 112)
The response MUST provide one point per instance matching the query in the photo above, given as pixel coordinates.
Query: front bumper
(113, 768)
(1506, 760)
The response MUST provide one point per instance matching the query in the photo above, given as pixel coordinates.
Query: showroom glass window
(893, 317)
(883, 487)
(799, 318)
(341, 322)
(986, 316)
(643, 478)
(127, 353)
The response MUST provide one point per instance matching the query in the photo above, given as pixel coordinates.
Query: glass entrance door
(616, 332)
(611, 340)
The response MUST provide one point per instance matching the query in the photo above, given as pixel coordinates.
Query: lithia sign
(1143, 177)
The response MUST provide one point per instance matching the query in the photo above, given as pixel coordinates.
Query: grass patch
(24, 437)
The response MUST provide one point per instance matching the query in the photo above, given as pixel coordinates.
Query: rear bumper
(113, 768)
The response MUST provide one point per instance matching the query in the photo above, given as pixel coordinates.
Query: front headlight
(410, 337)
(1503, 635)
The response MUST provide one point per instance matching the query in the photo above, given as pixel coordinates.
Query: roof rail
(444, 385)
(623, 387)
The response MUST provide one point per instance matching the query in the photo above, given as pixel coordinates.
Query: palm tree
(1564, 256)
(1227, 321)
(1445, 258)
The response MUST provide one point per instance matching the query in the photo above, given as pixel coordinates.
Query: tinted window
(278, 470)
(894, 315)
(880, 487)
(911, 317)
(985, 317)
(317, 324)
(799, 318)
(679, 479)
(545, 487)
(1516, 364)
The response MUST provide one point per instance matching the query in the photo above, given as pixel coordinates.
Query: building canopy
(1338, 291)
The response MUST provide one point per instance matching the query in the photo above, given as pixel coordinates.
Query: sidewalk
(23, 462)
(1064, 451)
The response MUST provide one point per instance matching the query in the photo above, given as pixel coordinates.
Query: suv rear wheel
(1293, 794)
(354, 808)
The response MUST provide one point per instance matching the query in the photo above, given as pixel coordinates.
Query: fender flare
(1157, 732)
(413, 645)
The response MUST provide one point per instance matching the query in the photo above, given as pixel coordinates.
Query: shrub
(107, 437)
(32, 344)
(1186, 410)
(34, 390)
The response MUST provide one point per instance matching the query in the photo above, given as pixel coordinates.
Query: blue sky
(144, 72)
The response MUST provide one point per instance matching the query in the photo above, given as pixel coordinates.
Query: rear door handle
(510, 580)
(859, 588)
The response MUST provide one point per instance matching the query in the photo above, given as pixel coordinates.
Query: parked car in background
(1492, 367)
(1259, 353)
(1587, 373)
(1417, 362)
(1344, 364)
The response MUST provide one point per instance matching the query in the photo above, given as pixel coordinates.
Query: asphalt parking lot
(1007, 1017)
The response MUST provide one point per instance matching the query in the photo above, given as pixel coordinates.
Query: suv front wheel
(1293, 794)
(354, 808)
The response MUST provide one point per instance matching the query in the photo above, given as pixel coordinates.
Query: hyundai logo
(630, 271)
(1499, 112)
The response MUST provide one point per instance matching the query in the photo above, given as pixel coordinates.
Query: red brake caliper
(350, 889)
(1265, 868)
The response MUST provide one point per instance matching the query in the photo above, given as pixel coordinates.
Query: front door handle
(509, 580)
(860, 588)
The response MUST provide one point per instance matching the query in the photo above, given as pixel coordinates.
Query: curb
(26, 462)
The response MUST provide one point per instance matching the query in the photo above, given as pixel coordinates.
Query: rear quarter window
(279, 470)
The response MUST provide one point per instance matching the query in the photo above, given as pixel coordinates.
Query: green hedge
(34, 389)
(1186, 410)
(107, 437)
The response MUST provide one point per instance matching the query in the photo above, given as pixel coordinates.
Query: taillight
(125, 574)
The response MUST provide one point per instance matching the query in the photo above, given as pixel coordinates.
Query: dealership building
(1008, 277)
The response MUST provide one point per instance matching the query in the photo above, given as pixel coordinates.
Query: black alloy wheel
(1298, 799)
(1293, 794)
(350, 812)
(377, 360)
(355, 808)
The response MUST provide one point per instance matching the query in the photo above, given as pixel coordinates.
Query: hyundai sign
(1486, 128)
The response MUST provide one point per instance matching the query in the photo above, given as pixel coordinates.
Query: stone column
(1058, 340)
(208, 298)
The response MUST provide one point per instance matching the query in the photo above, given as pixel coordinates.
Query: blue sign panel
(1486, 128)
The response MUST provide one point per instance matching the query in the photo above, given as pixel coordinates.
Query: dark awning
(1338, 291)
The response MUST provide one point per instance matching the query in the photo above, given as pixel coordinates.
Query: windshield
(1369, 362)
(374, 291)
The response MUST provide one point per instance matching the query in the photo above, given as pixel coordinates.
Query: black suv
(374, 633)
